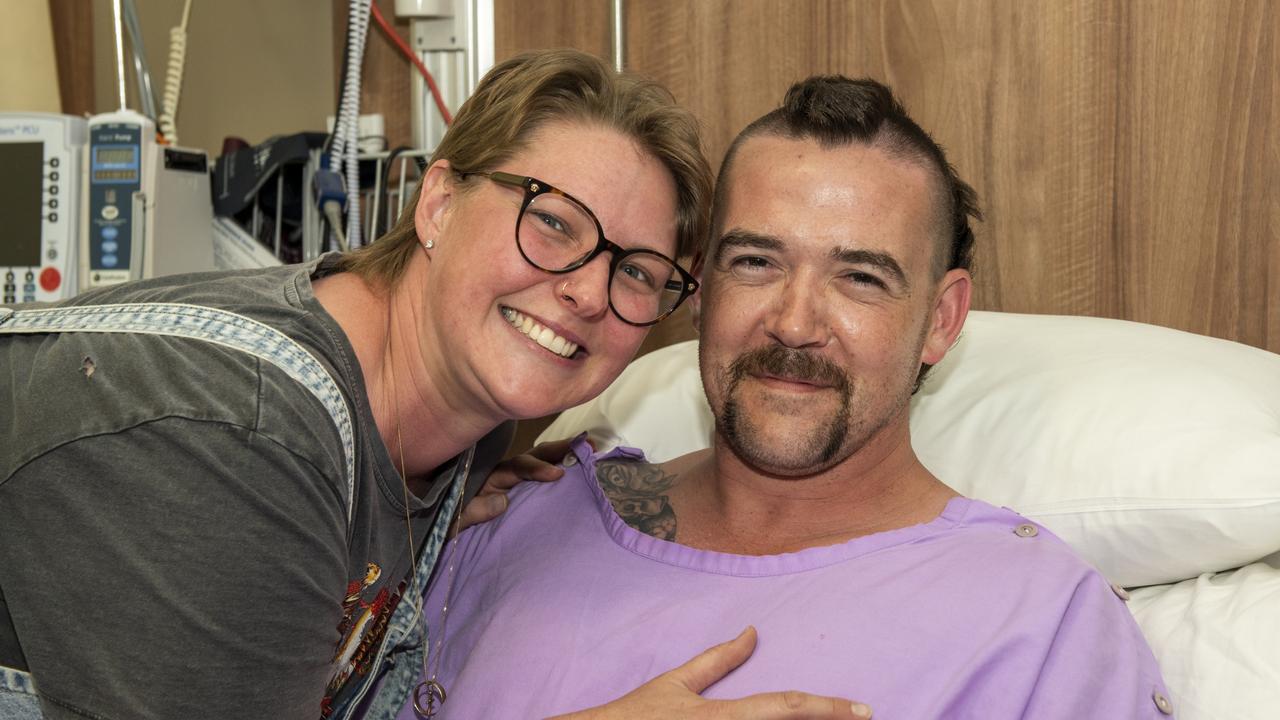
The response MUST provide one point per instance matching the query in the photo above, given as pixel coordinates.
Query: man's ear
(434, 201)
(946, 319)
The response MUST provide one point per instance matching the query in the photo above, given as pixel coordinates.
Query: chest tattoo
(638, 494)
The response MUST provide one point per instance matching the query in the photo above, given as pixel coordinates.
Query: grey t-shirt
(173, 530)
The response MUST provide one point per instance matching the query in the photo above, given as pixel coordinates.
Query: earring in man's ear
(429, 244)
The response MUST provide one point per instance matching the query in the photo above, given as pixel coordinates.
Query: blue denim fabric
(18, 700)
(399, 660)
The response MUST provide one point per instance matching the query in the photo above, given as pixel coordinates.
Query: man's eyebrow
(881, 260)
(738, 238)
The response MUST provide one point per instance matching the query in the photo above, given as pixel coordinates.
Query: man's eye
(749, 263)
(862, 278)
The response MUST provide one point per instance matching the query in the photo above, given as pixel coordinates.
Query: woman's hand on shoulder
(537, 464)
(676, 694)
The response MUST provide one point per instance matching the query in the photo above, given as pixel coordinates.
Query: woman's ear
(434, 201)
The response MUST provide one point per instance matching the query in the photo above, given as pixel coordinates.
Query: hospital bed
(1154, 453)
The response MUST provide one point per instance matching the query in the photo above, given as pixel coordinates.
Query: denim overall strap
(18, 700)
(211, 325)
(407, 639)
(238, 332)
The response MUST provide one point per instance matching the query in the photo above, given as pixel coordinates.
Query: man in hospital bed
(836, 274)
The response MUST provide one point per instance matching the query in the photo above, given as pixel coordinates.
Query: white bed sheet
(1217, 638)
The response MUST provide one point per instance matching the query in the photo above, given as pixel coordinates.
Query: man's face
(818, 302)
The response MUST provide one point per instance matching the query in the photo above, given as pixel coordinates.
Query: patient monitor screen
(21, 195)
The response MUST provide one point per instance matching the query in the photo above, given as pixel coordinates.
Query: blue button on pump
(110, 261)
(110, 232)
(110, 246)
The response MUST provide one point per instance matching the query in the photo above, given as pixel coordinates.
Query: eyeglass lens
(556, 233)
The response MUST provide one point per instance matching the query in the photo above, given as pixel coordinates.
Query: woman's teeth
(541, 335)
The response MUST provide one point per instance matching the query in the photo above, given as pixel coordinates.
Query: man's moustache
(791, 364)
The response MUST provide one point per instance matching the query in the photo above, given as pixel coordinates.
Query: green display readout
(115, 175)
(115, 156)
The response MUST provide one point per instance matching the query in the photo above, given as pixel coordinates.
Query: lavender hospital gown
(559, 605)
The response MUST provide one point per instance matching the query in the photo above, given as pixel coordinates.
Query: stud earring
(429, 244)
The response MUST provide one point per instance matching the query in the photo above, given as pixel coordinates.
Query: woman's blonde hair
(522, 94)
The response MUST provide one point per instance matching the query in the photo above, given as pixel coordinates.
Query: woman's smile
(541, 334)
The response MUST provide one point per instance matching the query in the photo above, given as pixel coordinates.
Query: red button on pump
(50, 279)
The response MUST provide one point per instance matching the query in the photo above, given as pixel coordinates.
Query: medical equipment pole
(618, 33)
(454, 40)
(141, 68)
(119, 28)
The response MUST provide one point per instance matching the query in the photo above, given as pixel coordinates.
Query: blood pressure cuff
(240, 174)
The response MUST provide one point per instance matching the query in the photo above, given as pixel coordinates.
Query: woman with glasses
(221, 495)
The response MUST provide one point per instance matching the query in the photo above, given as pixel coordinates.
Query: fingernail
(862, 711)
(498, 504)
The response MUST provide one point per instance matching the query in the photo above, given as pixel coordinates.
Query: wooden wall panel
(1126, 153)
(536, 24)
(1197, 124)
(1036, 135)
(73, 44)
(731, 60)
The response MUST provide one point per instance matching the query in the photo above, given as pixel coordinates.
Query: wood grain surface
(72, 22)
(539, 24)
(1126, 153)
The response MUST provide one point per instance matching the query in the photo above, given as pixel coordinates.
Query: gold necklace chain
(429, 695)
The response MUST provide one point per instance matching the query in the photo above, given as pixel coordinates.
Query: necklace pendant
(427, 698)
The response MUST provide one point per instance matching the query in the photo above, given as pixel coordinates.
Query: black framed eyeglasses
(557, 233)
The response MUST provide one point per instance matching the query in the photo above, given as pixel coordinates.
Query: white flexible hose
(352, 165)
(173, 78)
(337, 148)
(342, 156)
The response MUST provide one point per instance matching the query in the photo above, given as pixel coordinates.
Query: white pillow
(656, 404)
(1217, 639)
(1154, 453)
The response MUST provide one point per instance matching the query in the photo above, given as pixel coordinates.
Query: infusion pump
(40, 174)
(147, 207)
(87, 203)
